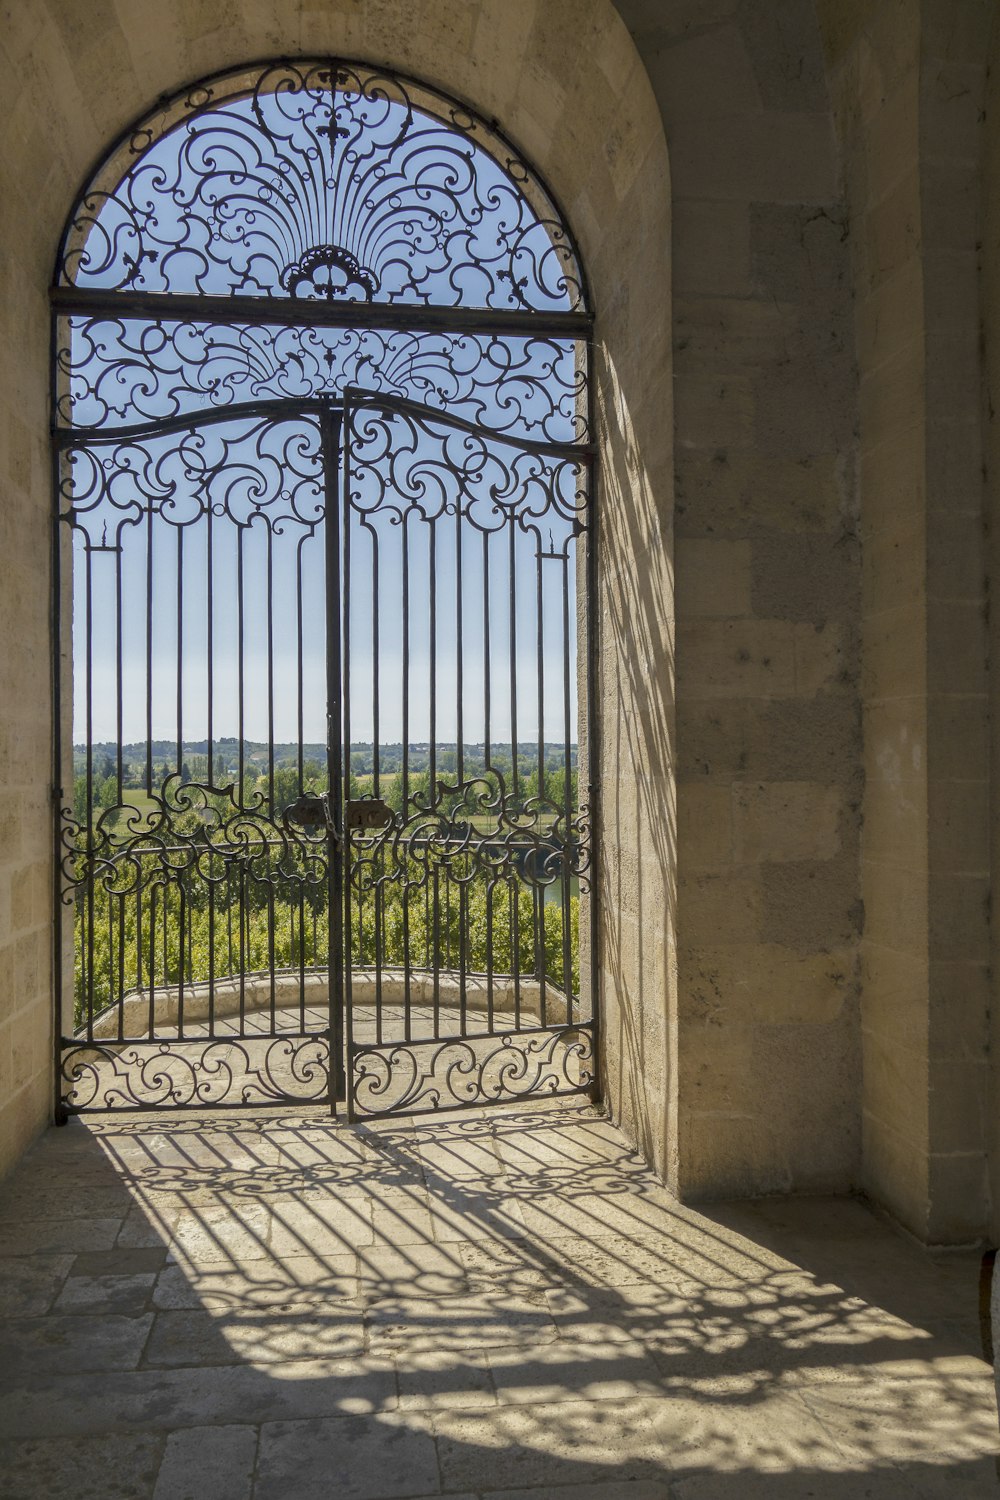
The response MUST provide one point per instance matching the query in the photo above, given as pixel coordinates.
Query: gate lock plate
(308, 812)
(366, 813)
(363, 814)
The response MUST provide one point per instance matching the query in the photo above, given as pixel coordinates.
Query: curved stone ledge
(129, 1020)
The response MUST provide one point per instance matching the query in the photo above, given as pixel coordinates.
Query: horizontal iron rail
(173, 307)
(286, 410)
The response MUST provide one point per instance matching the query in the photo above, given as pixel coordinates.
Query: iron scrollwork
(322, 180)
(401, 359)
(424, 1078)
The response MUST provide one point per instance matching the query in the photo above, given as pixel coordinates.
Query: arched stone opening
(571, 92)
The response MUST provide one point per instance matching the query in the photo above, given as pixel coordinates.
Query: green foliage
(193, 929)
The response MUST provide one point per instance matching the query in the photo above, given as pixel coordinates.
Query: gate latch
(365, 813)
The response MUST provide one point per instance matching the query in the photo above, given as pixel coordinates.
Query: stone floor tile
(29, 1285)
(107, 1342)
(653, 1314)
(100, 1467)
(447, 1159)
(799, 1484)
(56, 1236)
(769, 1431)
(401, 1221)
(597, 1260)
(210, 1233)
(439, 1378)
(469, 1215)
(128, 1295)
(122, 1262)
(567, 1371)
(202, 1461)
(60, 1200)
(59, 1404)
(270, 1336)
(476, 1321)
(733, 1352)
(688, 1253)
(546, 1151)
(569, 1443)
(920, 1416)
(429, 1270)
(515, 1263)
(974, 1479)
(323, 1227)
(218, 1286)
(357, 1458)
(638, 1489)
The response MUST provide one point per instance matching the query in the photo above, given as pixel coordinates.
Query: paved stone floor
(505, 1306)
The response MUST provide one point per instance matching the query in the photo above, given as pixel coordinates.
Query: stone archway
(570, 89)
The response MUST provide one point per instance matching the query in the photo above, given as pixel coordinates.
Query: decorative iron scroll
(187, 1074)
(424, 1077)
(119, 371)
(325, 442)
(253, 472)
(410, 463)
(322, 180)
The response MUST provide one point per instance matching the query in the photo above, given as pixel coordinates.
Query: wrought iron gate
(324, 825)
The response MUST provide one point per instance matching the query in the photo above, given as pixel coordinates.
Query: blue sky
(300, 545)
(235, 200)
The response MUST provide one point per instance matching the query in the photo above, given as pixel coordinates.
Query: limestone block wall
(767, 590)
(25, 672)
(908, 83)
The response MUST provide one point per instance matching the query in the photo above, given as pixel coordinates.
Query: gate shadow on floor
(493, 1305)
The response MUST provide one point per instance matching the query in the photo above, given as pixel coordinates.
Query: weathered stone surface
(610, 1344)
(208, 1460)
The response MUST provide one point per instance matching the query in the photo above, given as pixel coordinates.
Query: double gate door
(323, 830)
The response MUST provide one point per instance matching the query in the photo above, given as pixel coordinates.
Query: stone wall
(908, 83)
(25, 656)
(768, 729)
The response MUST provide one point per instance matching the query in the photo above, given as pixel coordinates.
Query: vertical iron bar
(539, 873)
(591, 536)
(152, 962)
(405, 883)
(330, 434)
(463, 988)
(240, 673)
(89, 636)
(149, 646)
(435, 955)
(272, 809)
(378, 860)
(60, 793)
(180, 649)
(487, 767)
(567, 837)
(210, 775)
(515, 877)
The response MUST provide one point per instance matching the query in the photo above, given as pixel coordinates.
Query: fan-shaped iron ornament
(323, 457)
(325, 181)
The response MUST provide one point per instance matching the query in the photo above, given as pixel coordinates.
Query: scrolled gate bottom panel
(226, 1072)
(432, 1076)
